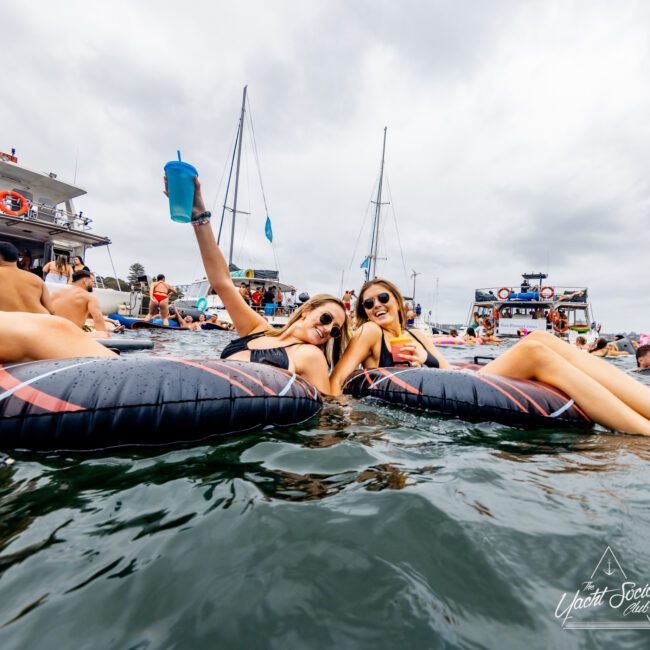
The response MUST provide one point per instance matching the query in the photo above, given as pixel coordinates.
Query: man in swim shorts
(21, 290)
(77, 303)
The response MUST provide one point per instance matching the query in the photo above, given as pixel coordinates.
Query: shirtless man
(77, 304)
(159, 295)
(21, 290)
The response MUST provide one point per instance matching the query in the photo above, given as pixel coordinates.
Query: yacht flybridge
(37, 214)
(534, 304)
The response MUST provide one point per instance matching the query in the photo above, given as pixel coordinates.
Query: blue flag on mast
(366, 263)
(268, 231)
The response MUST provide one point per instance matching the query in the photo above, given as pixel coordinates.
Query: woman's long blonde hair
(360, 312)
(332, 349)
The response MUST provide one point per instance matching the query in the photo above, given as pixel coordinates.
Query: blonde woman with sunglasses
(608, 396)
(308, 344)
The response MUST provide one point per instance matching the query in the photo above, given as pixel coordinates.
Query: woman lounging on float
(609, 396)
(318, 328)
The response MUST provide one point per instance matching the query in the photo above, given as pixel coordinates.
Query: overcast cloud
(518, 135)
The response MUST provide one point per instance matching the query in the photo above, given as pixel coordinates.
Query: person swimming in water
(313, 338)
(609, 396)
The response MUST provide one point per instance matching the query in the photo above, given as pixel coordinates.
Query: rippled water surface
(369, 527)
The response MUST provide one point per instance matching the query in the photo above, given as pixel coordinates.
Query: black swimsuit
(277, 357)
(386, 358)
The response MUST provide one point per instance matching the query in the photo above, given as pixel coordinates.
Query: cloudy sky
(518, 135)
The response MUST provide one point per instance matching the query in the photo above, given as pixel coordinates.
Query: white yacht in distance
(512, 311)
(37, 214)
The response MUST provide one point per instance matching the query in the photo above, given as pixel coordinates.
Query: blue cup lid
(179, 165)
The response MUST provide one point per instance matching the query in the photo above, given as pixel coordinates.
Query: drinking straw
(178, 151)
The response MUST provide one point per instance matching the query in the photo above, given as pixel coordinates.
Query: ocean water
(368, 527)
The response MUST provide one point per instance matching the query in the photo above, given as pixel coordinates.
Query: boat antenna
(234, 203)
(76, 160)
(371, 270)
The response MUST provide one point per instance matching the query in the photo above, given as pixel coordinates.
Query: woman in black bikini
(609, 396)
(380, 316)
(313, 338)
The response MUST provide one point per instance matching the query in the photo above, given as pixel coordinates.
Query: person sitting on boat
(159, 293)
(289, 302)
(58, 272)
(609, 396)
(77, 304)
(21, 290)
(313, 338)
(643, 357)
(245, 293)
(78, 264)
(476, 320)
(256, 296)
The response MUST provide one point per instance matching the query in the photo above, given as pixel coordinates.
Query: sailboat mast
(374, 243)
(234, 204)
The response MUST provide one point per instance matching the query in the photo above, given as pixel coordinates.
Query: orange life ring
(488, 323)
(506, 295)
(24, 204)
(546, 293)
(561, 325)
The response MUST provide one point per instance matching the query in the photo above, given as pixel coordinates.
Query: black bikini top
(277, 357)
(386, 358)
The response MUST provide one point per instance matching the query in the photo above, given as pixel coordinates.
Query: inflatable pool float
(469, 395)
(139, 323)
(448, 340)
(97, 403)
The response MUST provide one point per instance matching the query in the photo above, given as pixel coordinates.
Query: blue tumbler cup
(180, 187)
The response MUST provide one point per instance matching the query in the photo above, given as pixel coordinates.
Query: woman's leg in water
(532, 359)
(32, 337)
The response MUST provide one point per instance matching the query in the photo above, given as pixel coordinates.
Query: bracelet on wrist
(201, 219)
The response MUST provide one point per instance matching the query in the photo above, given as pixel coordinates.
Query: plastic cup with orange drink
(396, 343)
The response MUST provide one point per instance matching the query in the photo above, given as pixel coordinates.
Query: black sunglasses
(327, 319)
(368, 303)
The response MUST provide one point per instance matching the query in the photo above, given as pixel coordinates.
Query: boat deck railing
(45, 214)
(516, 293)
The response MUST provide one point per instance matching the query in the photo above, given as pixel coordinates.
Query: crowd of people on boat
(318, 342)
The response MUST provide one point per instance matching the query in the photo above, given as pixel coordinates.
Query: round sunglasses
(327, 319)
(369, 303)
